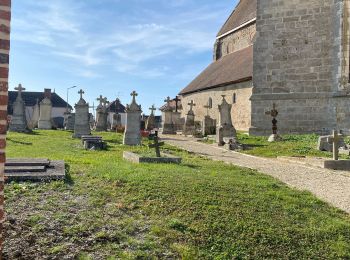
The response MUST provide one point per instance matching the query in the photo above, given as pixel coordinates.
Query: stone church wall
(297, 65)
(235, 41)
(241, 108)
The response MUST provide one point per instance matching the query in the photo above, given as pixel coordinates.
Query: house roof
(120, 107)
(244, 12)
(31, 97)
(232, 68)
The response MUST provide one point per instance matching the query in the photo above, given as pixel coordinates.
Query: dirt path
(330, 186)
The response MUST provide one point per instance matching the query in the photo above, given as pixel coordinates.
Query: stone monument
(225, 128)
(274, 113)
(167, 119)
(45, 120)
(190, 126)
(18, 121)
(132, 133)
(102, 115)
(151, 120)
(33, 123)
(82, 117)
(208, 125)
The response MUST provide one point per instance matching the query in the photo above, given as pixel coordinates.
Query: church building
(291, 53)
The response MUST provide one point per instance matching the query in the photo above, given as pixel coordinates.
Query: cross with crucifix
(156, 145)
(191, 104)
(153, 108)
(81, 92)
(20, 89)
(100, 99)
(274, 114)
(177, 103)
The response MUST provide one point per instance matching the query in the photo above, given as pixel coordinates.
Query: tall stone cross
(100, 99)
(191, 104)
(81, 92)
(335, 145)
(176, 103)
(153, 108)
(274, 114)
(134, 95)
(156, 145)
(20, 89)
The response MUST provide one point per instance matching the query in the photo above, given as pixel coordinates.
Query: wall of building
(5, 17)
(241, 110)
(235, 41)
(297, 65)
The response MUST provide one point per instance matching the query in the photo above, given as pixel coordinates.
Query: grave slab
(137, 158)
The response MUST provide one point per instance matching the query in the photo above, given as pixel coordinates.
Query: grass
(113, 209)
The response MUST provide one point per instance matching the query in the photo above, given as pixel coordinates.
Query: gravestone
(151, 120)
(208, 124)
(167, 119)
(190, 126)
(225, 128)
(33, 123)
(70, 121)
(45, 121)
(82, 117)
(18, 121)
(325, 143)
(274, 113)
(132, 133)
(102, 115)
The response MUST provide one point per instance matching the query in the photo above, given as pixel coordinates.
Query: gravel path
(328, 185)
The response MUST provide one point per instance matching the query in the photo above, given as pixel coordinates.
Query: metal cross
(20, 88)
(100, 99)
(156, 145)
(274, 114)
(81, 92)
(153, 108)
(191, 104)
(176, 103)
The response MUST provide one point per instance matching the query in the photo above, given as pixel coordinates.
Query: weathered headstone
(18, 121)
(102, 115)
(208, 124)
(325, 143)
(225, 127)
(190, 127)
(274, 113)
(69, 121)
(132, 134)
(167, 119)
(33, 123)
(45, 120)
(151, 120)
(82, 117)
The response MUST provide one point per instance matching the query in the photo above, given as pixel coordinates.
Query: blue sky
(112, 47)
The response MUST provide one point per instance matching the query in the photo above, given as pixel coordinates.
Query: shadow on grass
(252, 146)
(113, 141)
(18, 142)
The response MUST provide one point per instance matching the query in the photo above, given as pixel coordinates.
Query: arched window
(210, 103)
(234, 98)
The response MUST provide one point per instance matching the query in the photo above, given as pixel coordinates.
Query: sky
(112, 47)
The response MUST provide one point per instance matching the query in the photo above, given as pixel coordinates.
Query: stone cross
(156, 145)
(153, 108)
(134, 95)
(20, 88)
(168, 100)
(105, 101)
(100, 99)
(274, 114)
(191, 104)
(335, 145)
(176, 103)
(81, 92)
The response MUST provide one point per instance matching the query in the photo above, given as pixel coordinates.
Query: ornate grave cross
(156, 145)
(20, 89)
(176, 103)
(134, 95)
(81, 92)
(274, 114)
(191, 104)
(100, 99)
(153, 108)
(335, 145)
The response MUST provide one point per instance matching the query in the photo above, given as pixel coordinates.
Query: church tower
(301, 63)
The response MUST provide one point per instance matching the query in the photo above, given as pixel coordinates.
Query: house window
(210, 103)
(234, 98)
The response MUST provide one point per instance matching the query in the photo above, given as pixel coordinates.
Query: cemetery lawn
(112, 209)
(292, 145)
